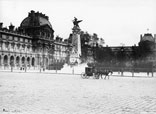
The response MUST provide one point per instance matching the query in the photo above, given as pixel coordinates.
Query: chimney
(11, 27)
(65, 40)
(141, 37)
(1, 25)
(37, 14)
(57, 38)
(31, 13)
(60, 39)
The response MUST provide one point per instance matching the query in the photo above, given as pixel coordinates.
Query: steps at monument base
(77, 69)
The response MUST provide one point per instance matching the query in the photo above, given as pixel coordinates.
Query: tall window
(12, 46)
(6, 45)
(33, 62)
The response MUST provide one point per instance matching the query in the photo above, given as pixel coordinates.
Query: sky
(118, 22)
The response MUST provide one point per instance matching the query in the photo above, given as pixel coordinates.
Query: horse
(106, 73)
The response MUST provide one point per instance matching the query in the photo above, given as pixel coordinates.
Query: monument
(76, 42)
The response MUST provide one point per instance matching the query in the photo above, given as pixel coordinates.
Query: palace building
(32, 45)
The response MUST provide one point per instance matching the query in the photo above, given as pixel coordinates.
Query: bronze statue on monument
(76, 22)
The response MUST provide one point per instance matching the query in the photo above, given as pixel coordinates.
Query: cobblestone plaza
(41, 93)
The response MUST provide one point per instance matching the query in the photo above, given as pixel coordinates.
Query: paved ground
(38, 93)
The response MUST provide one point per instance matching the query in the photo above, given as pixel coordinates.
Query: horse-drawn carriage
(95, 73)
(89, 71)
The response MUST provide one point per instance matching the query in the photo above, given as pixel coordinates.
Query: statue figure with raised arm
(76, 22)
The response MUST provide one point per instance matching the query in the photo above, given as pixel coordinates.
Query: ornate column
(20, 61)
(25, 64)
(14, 62)
(48, 62)
(30, 62)
(8, 61)
(39, 62)
(2, 61)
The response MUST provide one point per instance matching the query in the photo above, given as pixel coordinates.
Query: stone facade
(150, 38)
(32, 45)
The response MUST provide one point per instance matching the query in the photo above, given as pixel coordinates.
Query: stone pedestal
(76, 43)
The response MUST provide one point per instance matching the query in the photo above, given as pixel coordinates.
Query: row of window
(44, 34)
(58, 60)
(60, 48)
(12, 47)
(62, 54)
(15, 38)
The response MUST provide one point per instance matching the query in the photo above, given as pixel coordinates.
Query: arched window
(33, 61)
(28, 61)
(18, 61)
(12, 61)
(23, 61)
(5, 60)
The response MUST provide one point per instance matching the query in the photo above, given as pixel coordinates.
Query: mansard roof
(35, 20)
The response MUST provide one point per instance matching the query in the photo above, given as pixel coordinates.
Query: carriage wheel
(83, 75)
